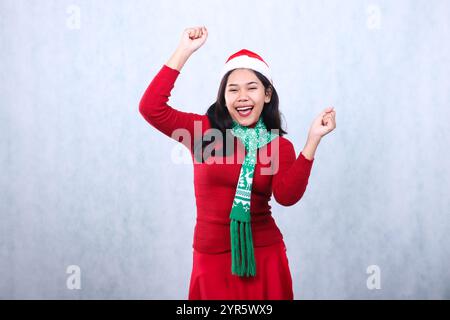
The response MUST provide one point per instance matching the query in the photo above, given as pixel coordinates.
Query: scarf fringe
(242, 253)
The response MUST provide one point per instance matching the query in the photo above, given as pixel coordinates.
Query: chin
(246, 122)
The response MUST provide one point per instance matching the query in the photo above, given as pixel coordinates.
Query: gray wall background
(86, 181)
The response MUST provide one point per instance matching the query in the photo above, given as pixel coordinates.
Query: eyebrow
(233, 84)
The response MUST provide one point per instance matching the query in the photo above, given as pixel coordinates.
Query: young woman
(239, 252)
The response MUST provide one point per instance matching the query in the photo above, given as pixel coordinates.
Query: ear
(268, 94)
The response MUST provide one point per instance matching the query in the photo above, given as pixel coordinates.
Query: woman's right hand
(192, 39)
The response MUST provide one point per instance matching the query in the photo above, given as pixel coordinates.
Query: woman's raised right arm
(153, 105)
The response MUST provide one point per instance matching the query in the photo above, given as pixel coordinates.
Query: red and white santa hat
(247, 59)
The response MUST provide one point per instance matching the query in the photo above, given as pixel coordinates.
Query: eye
(232, 90)
(253, 88)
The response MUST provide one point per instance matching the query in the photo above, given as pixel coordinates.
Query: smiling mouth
(244, 111)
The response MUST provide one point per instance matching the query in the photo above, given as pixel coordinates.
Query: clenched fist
(193, 38)
(323, 124)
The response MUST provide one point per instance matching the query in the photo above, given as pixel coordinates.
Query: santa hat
(247, 59)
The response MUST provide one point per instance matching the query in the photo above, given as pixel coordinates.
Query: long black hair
(220, 118)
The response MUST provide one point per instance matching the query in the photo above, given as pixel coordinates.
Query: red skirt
(211, 277)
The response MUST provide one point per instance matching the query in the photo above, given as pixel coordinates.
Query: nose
(242, 97)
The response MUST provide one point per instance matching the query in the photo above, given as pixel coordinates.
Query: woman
(239, 252)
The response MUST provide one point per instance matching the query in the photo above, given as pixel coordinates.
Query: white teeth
(243, 108)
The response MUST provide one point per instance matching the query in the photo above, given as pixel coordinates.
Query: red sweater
(215, 184)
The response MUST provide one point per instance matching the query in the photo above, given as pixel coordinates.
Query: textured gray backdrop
(86, 181)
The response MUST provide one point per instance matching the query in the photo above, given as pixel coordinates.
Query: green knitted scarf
(242, 252)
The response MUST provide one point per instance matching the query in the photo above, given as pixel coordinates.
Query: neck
(249, 126)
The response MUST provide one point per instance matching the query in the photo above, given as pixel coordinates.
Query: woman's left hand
(323, 124)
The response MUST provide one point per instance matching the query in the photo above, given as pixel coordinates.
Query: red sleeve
(290, 181)
(154, 108)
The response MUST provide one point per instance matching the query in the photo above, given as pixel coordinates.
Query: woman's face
(245, 96)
